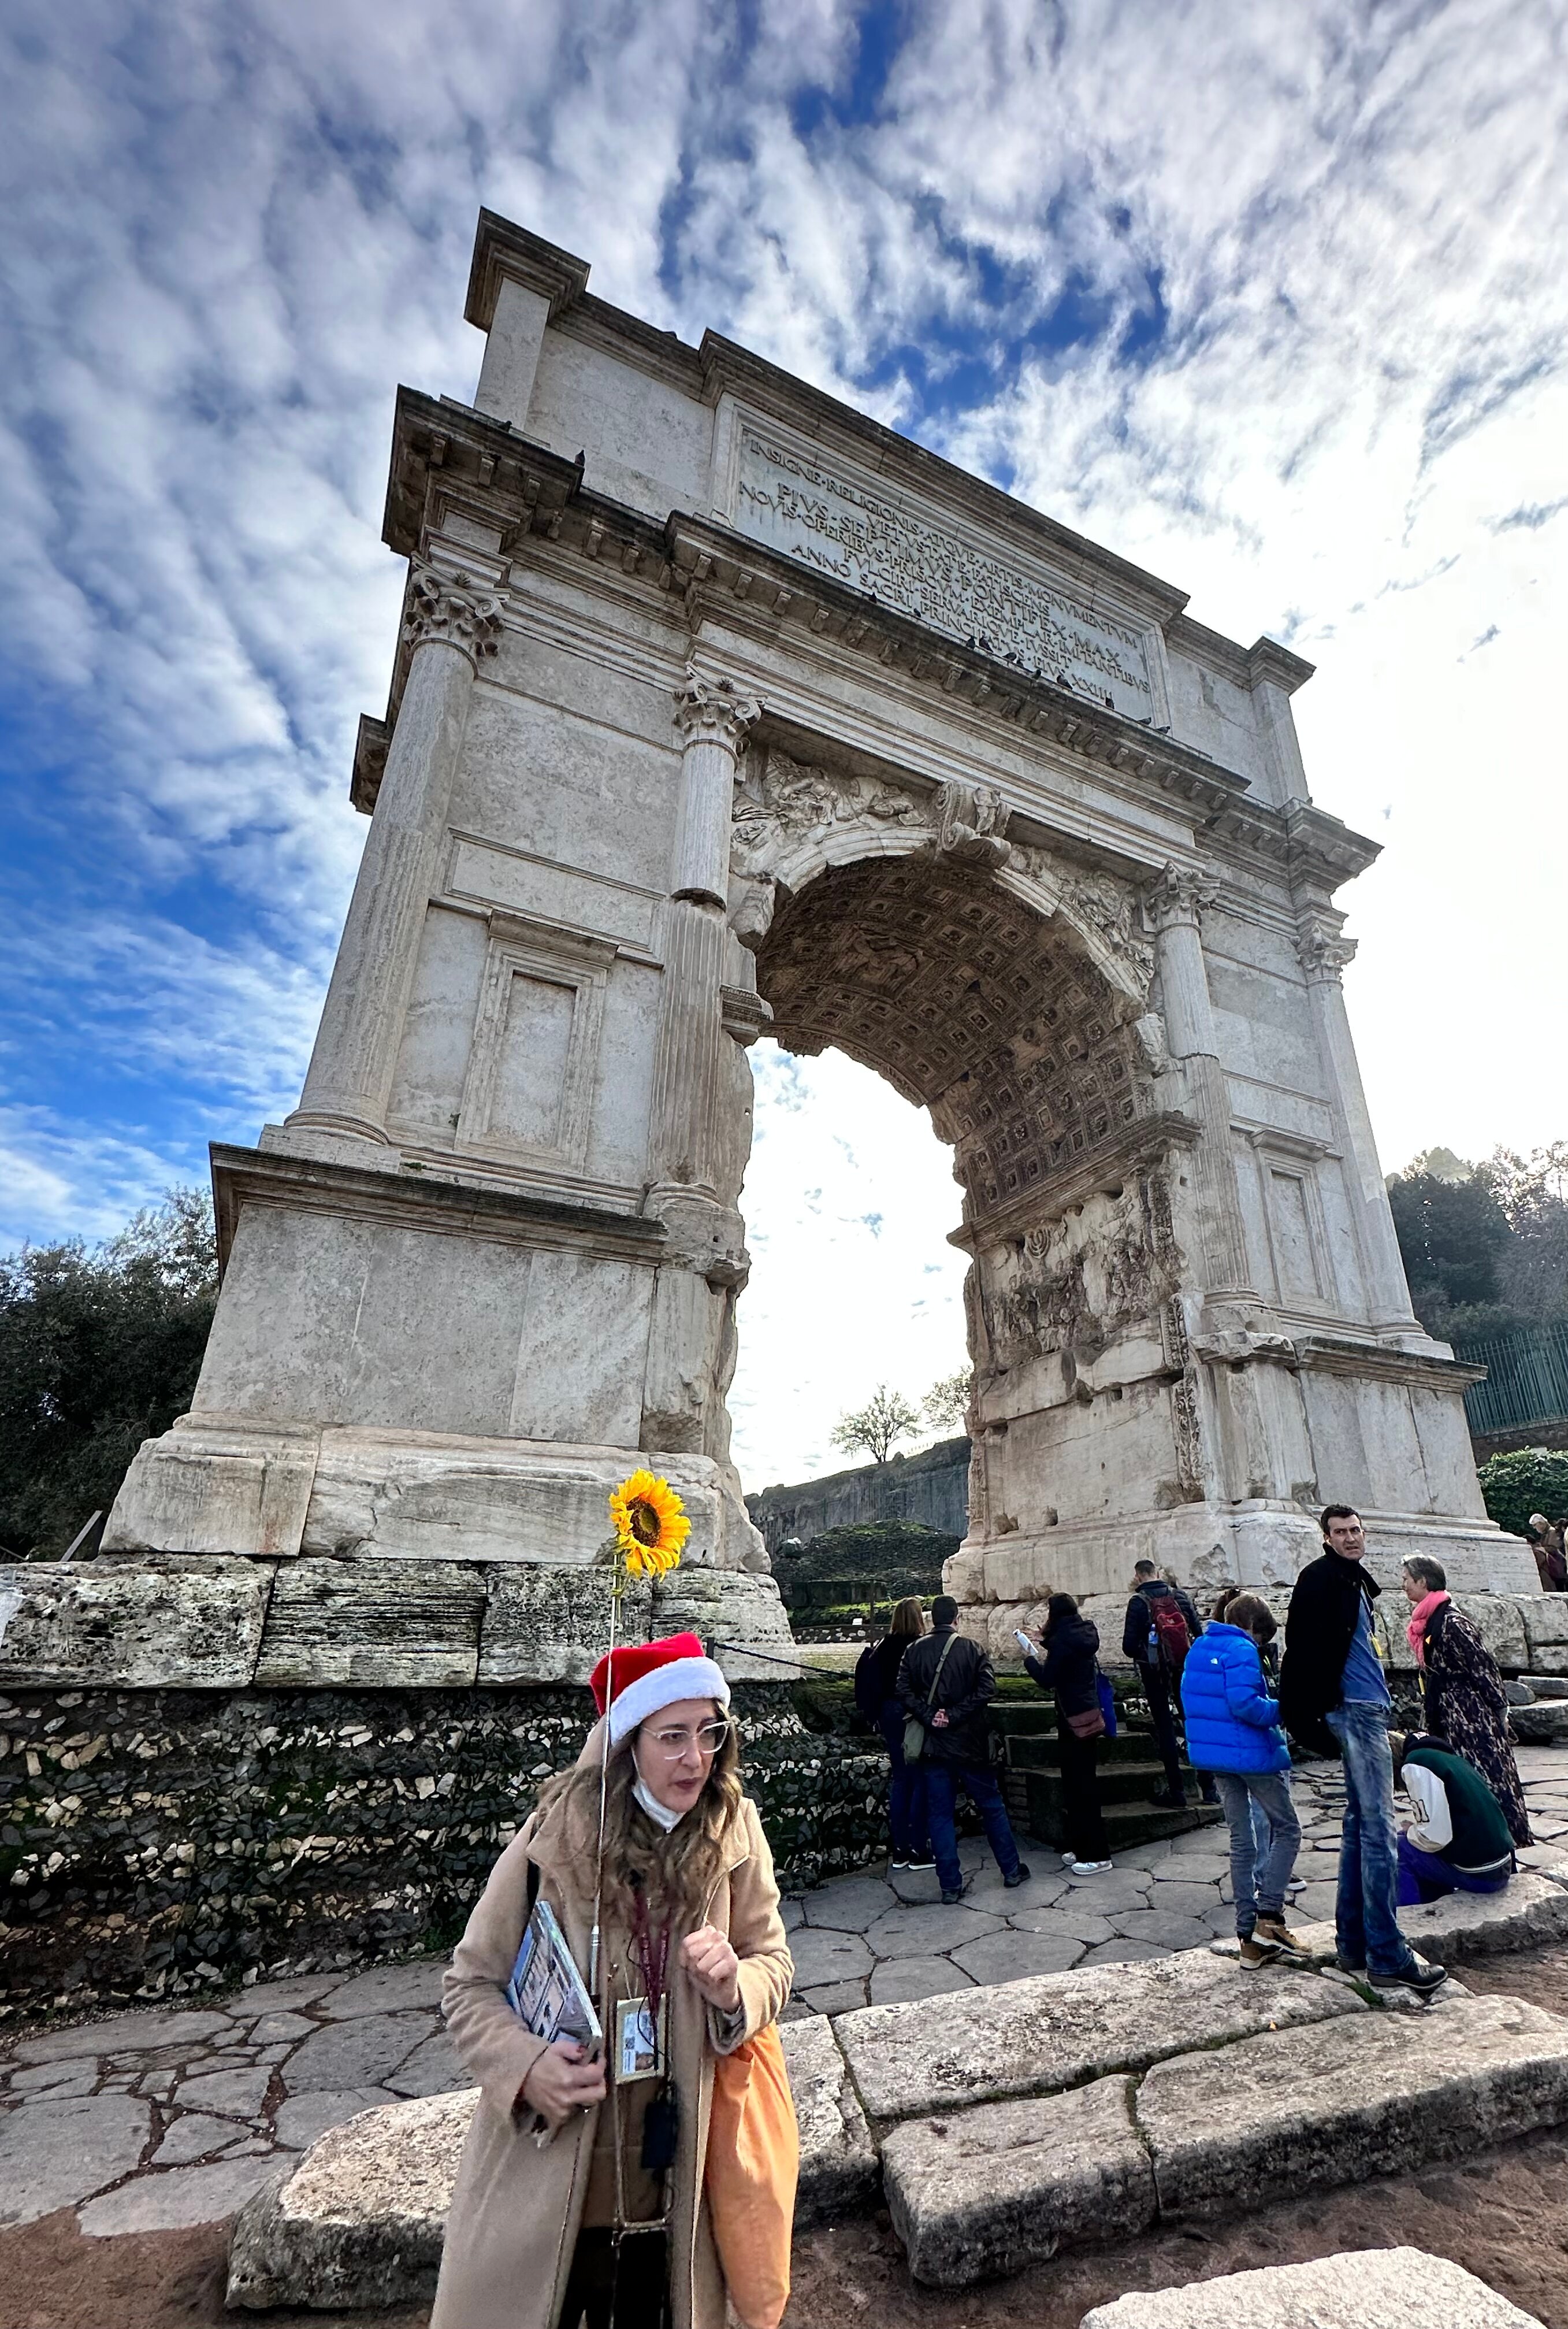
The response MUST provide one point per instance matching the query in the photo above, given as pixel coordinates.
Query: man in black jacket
(1333, 1699)
(947, 1681)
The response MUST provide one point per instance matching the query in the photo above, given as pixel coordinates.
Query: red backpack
(1168, 1631)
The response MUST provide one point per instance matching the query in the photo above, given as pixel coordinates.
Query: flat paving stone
(71, 2077)
(1010, 1955)
(1162, 1931)
(1367, 2288)
(280, 2028)
(836, 1997)
(56, 2153)
(180, 2197)
(916, 1885)
(387, 1989)
(432, 2069)
(899, 1979)
(356, 2053)
(1194, 1868)
(1120, 1888)
(1315, 1900)
(196, 2134)
(286, 1996)
(928, 1932)
(122, 2032)
(302, 2118)
(792, 1912)
(1119, 1952)
(850, 1905)
(239, 2093)
(1184, 1900)
(1079, 1924)
(824, 1955)
(1046, 1884)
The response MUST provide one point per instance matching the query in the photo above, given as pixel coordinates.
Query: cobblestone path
(151, 2121)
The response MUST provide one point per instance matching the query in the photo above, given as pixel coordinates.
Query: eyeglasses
(707, 1739)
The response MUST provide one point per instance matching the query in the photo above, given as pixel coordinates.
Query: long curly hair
(675, 1872)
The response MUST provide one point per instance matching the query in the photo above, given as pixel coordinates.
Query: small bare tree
(886, 1417)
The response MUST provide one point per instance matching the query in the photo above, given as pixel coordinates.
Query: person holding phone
(1067, 1660)
(606, 2220)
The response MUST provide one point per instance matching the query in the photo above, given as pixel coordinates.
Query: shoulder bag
(915, 1724)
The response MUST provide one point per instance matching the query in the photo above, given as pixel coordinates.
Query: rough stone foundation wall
(153, 1843)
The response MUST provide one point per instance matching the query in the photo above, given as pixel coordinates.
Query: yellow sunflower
(650, 1523)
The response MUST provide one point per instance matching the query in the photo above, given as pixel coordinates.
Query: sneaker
(921, 1861)
(1068, 1858)
(1089, 1867)
(1020, 1875)
(1274, 1928)
(895, 1866)
(1256, 1951)
(951, 1899)
(1421, 1980)
(1167, 1800)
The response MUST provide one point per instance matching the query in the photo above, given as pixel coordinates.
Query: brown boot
(1275, 1930)
(1257, 1950)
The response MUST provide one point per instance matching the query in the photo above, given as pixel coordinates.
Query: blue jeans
(1259, 1872)
(1427, 1876)
(905, 1787)
(942, 1781)
(1365, 1928)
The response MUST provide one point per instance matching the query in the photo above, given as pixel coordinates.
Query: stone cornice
(501, 251)
(1265, 659)
(530, 491)
(408, 1199)
(1381, 1363)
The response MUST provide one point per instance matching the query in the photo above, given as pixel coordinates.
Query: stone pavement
(155, 2120)
(867, 1940)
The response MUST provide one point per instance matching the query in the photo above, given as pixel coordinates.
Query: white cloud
(235, 228)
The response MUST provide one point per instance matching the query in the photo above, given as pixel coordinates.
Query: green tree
(1532, 1193)
(99, 1349)
(1454, 1235)
(1530, 1480)
(886, 1415)
(946, 1405)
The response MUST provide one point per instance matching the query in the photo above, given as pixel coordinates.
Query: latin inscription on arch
(873, 540)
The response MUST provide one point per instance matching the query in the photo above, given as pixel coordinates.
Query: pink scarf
(1421, 1617)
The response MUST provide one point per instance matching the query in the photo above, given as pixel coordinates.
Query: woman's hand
(562, 2083)
(713, 1966)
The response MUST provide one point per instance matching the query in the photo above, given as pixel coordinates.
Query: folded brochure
(546, 1992)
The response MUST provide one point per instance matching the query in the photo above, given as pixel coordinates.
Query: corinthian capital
(1324, 953)
(711, 712)
(1177, 895)
(448, 606)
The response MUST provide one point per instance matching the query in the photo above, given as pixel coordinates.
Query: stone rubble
(1367, 2288)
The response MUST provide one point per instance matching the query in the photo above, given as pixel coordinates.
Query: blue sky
(1270, 299)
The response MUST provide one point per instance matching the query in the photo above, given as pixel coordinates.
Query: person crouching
(1232, 1730)
(608, 2218)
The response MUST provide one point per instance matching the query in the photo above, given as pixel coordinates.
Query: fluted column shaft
(713, 719)
(1324, 956)
(1175, 903)
(348, 1085)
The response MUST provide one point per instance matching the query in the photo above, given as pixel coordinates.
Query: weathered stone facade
(750, 714)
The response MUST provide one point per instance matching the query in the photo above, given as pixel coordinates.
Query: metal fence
(1526, 1377)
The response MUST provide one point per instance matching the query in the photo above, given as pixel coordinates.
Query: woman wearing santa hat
(581, 2187)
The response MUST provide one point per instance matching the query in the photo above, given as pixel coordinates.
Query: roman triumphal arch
(720, 711)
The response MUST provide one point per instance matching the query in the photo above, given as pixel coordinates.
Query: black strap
(936, 1677)
(533, 1890)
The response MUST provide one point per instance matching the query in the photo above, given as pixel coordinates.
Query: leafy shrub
(1530, 1480)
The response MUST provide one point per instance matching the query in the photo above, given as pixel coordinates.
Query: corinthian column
(1175, 902)
(713, 719)
(348, 1082)
(1324, 956)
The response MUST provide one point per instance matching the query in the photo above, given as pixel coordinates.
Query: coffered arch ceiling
(970, 1003)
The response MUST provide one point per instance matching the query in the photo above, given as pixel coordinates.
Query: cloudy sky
(1270, 298)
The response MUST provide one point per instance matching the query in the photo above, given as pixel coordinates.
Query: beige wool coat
(516, 2209)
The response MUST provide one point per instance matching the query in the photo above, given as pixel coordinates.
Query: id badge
(640, 2048)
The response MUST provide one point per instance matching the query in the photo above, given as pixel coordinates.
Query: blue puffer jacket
(1231, 1722)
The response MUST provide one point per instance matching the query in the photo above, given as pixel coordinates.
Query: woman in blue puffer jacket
(1232, 1730)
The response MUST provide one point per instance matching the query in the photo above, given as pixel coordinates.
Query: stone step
(1545, 1724)
(994, 2189)
(1364, 2288)
(1034, 1803)
(1530, 1912)
(1125, 1782)
(360, 2220)
(1053, 2031)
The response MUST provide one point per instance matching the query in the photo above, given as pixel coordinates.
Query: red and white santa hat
(647, 1675)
